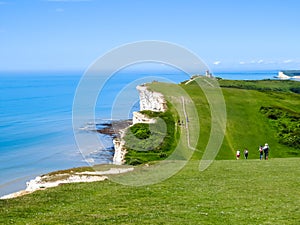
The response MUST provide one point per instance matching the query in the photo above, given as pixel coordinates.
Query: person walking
(246, 153)
(238, 154)
(261, 152)
(266, 151)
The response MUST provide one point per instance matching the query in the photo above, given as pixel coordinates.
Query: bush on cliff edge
(144, 145)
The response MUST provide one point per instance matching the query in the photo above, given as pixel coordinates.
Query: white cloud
(268, 63)
(217, 62)
(288, 61)
(260, 61)
(257, 61)
(59, 10)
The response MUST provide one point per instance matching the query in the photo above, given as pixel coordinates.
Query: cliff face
(120, 150)
(141, 118)
(149, 100)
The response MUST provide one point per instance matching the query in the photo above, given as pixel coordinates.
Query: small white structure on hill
(208, 74)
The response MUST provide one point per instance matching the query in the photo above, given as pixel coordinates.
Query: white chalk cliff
(149, 100)
(48, 181)
(120, 150)
(141, 118)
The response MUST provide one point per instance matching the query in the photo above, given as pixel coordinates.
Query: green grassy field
(246, 126)
(229, 191)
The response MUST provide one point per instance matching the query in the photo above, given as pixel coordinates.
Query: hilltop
(257, 112)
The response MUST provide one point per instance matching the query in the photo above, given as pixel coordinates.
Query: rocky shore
(113, 129)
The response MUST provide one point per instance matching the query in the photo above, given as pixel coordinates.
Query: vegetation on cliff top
(262, 85)
(144, 144)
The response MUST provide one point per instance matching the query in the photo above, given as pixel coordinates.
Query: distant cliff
(149, 100)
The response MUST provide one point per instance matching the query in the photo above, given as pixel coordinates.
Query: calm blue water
(36, 133)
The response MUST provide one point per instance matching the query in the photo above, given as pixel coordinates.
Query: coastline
(48, 181)
(149, 100)
(114, 127)
(50, 127)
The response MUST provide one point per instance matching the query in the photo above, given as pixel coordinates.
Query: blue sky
(227, 35)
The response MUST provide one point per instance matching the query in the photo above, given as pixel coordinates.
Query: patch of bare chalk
(46, 181)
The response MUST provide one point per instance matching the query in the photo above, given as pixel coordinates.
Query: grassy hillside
(247, 126)
(263, 85)
(228, 192)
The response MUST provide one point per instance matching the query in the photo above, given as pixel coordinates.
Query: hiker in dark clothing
(266, 151)
(246, 153)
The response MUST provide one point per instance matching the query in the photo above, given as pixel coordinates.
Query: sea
(37, 134)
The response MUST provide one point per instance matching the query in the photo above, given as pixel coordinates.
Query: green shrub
(295, 90)
(141, 130)
(144, 145)
(287, 124)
